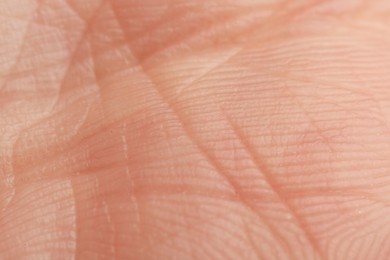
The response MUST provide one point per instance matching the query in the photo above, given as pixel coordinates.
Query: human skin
(223, 129)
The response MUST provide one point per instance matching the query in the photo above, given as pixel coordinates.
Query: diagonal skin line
(32, 71)
(83, 38)
(66, 73)
(189, 37)
(15, 18)
(73, 9)
(211, 70)
(80, 42)
(15, 64)
(204, 151)
(311, 121)
(273, 185)
(24, 44)
(217, 165)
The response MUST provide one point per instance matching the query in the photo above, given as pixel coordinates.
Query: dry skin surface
(174, 129)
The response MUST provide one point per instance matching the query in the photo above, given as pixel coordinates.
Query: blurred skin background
(177, 129)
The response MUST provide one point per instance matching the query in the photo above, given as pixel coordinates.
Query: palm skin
(194, 129)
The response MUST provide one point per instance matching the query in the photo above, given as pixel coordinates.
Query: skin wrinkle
(273, 184)
(370, 96)
(30, 22)
(73, 59)
(215, 162)
(23, 46)
(32, 71)
(349, 158)
(11, 176)
(76, 12)
(27, 196)
(94, 61)
(318, 80)
(291, 77)
(268, 25)
(57, 100)
(71, 148)
(312, 122)
(60, 191)
(220, 169)
(115, 45)
(300, 79)
(36, 124)
(210, 158)
(213, 68)
(66, 74)
(192, 35)
(345, 240)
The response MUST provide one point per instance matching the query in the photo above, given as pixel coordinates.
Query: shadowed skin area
(174, 129)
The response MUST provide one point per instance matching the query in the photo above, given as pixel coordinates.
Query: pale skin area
(174, 129)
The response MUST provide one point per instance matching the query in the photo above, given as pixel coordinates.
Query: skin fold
(174, 129)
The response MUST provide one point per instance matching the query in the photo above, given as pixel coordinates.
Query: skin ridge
(90, 190)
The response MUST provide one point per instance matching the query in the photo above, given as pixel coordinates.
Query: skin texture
(173, 129)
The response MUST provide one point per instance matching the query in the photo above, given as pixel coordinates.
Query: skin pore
(174, 129)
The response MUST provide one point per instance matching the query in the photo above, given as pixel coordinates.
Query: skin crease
(255, 129)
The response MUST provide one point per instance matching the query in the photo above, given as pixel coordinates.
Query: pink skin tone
(223, 129)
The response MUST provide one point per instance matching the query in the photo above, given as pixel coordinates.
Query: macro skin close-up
(202, 129)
